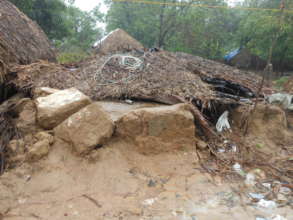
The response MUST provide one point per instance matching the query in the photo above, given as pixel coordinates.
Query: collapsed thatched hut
(117, 40)
(22, 41)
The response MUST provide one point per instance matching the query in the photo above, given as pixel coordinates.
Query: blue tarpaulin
(231, 54)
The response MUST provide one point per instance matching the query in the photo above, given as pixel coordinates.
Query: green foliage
(70, 57)
(279, 83)
(259, 146)
(208, 32)
(49, 14)
(83, 29)
(266, 29)
(196, 30)
(69, 28)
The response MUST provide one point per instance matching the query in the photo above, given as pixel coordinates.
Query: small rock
(281, 197)
(38, 150)
(41, 148)
(201, 145)
(16, 147)
(152, 183)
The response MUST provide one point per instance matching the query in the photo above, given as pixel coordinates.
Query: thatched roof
(163, 76)
(117, 40)
(134, 73)
(21, 40)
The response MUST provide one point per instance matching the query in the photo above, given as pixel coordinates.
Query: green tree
(196, 30)
(268, 30)
(69, 28)
(49, 14)
(83, 29)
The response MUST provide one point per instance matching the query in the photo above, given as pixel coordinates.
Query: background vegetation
(207, 32)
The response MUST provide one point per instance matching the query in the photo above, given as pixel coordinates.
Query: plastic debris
(246, 101)
(128, 62)
(233, 148)
(250, 179)
(285, 190)
(268, 204)
(221, 150)
(277, 217)
(128, 101)
(149, 202)
(260, 218)
(282, 98)
(267, 185)
(238, 169)
(256, 196)
(223, 123)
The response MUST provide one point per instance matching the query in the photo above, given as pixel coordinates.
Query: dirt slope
(115, 182)
(120, 184)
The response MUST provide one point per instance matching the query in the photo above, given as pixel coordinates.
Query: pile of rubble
(45, 101)
(84, 125)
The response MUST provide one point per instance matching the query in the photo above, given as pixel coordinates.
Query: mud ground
(115, 182)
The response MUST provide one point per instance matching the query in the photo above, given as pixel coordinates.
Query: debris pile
(225, 113)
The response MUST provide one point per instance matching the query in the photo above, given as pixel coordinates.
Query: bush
(279, 83)
(71, 57)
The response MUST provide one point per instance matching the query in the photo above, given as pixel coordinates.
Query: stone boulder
(159, 129)
(87, 129)
(55, 108)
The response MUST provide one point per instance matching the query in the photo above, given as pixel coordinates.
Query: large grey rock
(159, 129)
(55, 108)
(86, 129)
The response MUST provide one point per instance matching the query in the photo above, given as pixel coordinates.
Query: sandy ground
(115, 182)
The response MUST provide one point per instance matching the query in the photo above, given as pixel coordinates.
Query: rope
(200, 5)
(127, 62)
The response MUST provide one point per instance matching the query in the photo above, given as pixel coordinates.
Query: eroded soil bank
(117, 182)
